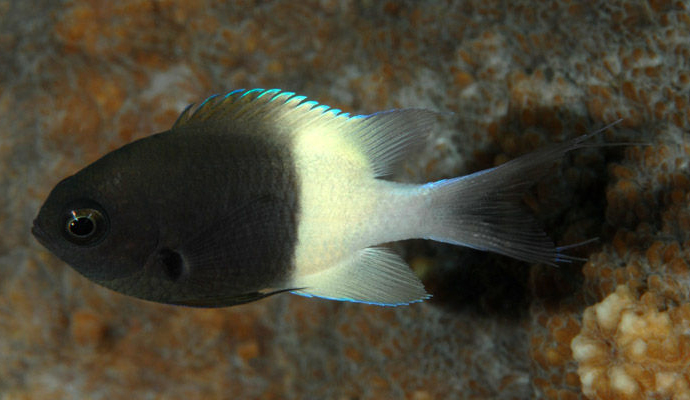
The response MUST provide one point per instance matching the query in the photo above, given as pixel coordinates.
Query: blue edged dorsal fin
(249, 105)
(373, 275)
(386, 138)
(221, 107)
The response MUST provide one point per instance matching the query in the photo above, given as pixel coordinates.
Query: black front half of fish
(232, 220)
(202, 215)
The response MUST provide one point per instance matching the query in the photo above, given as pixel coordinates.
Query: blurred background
(81, 78)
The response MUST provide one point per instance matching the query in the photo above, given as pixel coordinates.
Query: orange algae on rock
(629, 349)
(87, 328)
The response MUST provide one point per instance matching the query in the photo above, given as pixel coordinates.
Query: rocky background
(80, 78)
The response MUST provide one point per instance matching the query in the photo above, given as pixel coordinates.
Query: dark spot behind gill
(173, 265)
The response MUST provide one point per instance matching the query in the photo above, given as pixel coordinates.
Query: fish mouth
(39, 233)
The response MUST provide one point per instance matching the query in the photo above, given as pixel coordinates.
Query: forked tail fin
(484, 210)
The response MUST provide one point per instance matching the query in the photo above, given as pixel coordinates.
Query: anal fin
(373, 275)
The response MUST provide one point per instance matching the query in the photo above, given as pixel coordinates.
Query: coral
(646, 244)
(634, 341)
(630, 349)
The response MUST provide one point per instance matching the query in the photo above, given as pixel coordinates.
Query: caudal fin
(484, 210)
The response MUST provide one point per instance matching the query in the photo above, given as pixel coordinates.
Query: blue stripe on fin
(268, 92)
(204, 106)
(257, 90)
(234, 92)
(184, 115)
(297, 99)
(209, 98)
(372, 275)
(241, 104)
(284, 94)
(309, 104)
(322, 108)
(313, 296)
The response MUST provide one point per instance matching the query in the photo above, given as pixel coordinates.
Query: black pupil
(85, 226)
(82, 226)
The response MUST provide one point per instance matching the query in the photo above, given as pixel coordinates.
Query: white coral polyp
(623, 343)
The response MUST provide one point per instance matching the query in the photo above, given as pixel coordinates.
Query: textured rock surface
(631, 349)
(78, 79)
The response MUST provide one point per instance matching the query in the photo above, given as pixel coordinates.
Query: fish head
(97, 222)
(127, 223)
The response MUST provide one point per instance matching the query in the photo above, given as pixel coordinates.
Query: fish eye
(85, 226)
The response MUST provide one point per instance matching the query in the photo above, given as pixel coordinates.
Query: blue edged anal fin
(373, 275)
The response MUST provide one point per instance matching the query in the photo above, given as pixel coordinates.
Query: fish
(259, 192)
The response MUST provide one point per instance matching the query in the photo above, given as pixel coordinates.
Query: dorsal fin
(386, 138)
(232, 106)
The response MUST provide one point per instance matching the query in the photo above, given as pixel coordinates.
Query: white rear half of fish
(347, 209)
